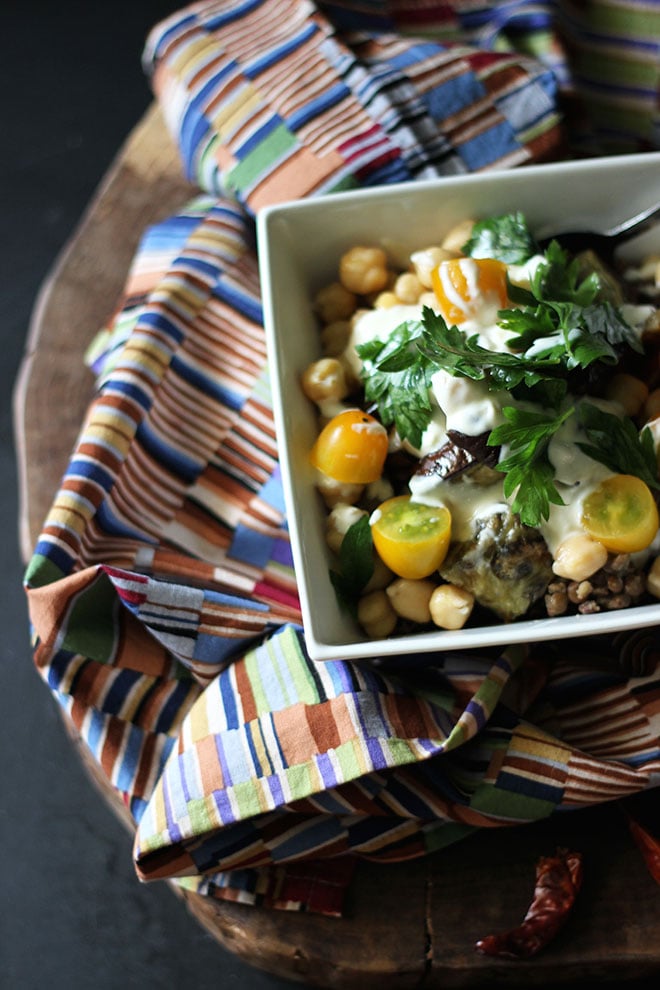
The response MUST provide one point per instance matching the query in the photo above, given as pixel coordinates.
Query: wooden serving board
(406, 925)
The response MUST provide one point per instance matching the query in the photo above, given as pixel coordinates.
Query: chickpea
(408, 288)
(381, 577)
(458, 236)
(652, 324)
(363, 270)
(325, 381)
(339, 521)
(652, 405)
(334, 302)
(410, 598)
(377, 492)
(630, 392)
(653, 579)
(334, 492)
(385, 300)
(334, 337)
(376, 615)
(578, 557)
(429, 299)
(451, 606)
(426, 260)
(579, 591)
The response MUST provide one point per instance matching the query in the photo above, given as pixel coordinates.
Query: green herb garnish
(559, 304)
(616, 443)
(449, 349)
(527, 469)
(506, 238)
(397, 373)
(397, 377)
(356, 563)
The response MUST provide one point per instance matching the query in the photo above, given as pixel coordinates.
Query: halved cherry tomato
(410, 537)
(351, 448)
(621, 514)
(463, 285)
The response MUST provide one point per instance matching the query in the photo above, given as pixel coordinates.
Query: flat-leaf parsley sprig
(397, 378)
(616, 442)
(529, 475)
(506, 238)
(397, 372)
(563, 310)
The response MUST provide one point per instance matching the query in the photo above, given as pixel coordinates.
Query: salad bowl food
(457, 489)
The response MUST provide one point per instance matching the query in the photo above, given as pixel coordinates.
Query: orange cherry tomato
(621, 514)
(463, 285)
(351, 448)
(411, 538)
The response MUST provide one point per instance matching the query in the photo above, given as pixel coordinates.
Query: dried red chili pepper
(558, 880)
(648, 844)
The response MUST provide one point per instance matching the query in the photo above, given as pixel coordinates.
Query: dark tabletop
(72, 913)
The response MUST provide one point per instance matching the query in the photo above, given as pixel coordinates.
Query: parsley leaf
(450, 348)
(605, 320)
(356, 563)
(529, 475)
(397, 377)
(506, 238)
(559, 279)
(561, 302)
(397, 372)
(616, 443)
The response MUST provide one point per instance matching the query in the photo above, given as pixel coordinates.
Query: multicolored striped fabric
(613, 51)
(269, 102)
(604, 54)
(161, 591)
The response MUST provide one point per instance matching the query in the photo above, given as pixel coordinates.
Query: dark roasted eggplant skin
(507, 566)
(460, 453)
(446, 462)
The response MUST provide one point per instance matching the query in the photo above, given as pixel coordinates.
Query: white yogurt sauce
(465, 501)
(376, 324)
(522, 275)
(468, 406)
(636, 315)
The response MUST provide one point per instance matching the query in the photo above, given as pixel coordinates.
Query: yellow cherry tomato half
(351, 448)
(411, 538)
(621, 514)
(463, 285)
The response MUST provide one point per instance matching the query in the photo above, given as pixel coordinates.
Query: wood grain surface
(406, 925)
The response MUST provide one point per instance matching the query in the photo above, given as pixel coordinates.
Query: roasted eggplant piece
(507, 566)
(460, 453)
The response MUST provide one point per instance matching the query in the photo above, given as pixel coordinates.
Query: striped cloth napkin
(161, 592)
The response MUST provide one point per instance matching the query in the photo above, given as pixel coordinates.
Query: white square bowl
(299, 247)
